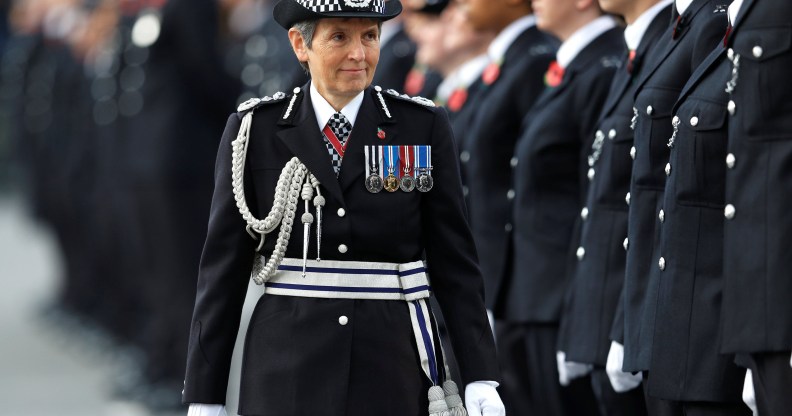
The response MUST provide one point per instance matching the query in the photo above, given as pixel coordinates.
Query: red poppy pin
(416, 79)
(491, 73)
(457, 99)
(554, 75)
(380, 133)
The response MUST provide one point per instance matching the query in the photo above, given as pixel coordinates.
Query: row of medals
(423, 183)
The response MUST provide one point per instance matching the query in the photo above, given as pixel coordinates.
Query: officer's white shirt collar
(462, 77)
(581, 38)
(497, 49)
(634, 33)
(734, 9)
(324, 110)
(683, 5)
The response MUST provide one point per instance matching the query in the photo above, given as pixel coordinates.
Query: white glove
(748, 396)
(481, 399)
(790, 361)
(568, 370)
(199, 409)
(620, 381)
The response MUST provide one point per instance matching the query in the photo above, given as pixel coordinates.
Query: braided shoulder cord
(288, 191)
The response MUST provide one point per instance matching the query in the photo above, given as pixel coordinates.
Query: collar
(734, 9)
(634, 33)
(682, 5)
(581, 38)
(324, 110)
(462, 77)
(499, 46)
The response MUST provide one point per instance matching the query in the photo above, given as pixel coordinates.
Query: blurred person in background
(256, 51)
(757, 314)
(462, 61)
(486, 132)
(597, 278)
(697, 27)
(688, 371)
(397, 54)
(115, 109)
(425, 27)
(549, 184)
(171, 88)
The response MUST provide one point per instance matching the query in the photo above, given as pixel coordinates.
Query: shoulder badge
(254, 103)
(418, 100)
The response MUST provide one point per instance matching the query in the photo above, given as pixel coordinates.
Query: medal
(407, 181)
(391, 163)
(373, 182)
(424, 166)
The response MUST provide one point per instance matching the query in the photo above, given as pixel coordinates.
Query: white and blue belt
(408, 282)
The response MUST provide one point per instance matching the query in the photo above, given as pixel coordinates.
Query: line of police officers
(625, 186)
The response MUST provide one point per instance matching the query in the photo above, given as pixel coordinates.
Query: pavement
(46, 369)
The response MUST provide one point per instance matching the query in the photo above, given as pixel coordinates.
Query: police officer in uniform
(697, 26)
(597, 276)
(548, 185)
(757, 314)
(372, 177)
(687, 370)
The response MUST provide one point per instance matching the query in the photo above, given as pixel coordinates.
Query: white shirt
(682, 5)
(497, 49)
(324, 110)
(734, 10)
(462, 77)
(634, 33)
(581, 38)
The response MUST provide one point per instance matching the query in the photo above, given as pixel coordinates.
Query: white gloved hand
(568, 370)
(790, 361)
(620, 381)
(481, 399)
(200, 409)
(749, 396)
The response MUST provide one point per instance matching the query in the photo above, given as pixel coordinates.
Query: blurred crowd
(112, 111)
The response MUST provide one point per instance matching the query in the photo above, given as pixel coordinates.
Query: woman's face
(343, 56)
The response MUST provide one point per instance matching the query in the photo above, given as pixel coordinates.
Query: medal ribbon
(331, 137)
(407, 159)
(392, 160)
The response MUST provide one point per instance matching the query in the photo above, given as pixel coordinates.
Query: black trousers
(772, 378)
(527, 355)
(660, 407)
(611, 403)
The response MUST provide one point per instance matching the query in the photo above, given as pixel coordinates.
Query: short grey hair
(307, 29)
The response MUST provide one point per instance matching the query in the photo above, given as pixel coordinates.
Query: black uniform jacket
(680, 50)
(758, 255)
(598, 277)
(298, 360)
(686, 361)
(549, 181)
(487, 145)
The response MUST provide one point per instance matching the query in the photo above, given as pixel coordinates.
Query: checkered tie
(341, 127)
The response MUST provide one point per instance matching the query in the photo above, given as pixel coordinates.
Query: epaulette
(383, 106)
(418, 100)
(254, 103)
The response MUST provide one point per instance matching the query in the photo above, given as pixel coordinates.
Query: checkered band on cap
(328, 6)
